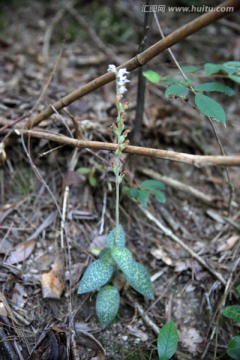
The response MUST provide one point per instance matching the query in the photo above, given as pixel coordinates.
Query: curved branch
(139, 60)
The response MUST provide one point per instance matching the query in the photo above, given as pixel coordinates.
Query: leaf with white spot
(107, 304)
(97, 274)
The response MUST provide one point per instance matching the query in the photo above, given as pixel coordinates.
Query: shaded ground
(39, 305)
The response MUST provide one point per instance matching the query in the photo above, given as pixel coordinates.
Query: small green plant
(233, 312)
(167, 341)
(205, 104)
(147, 188)
(91, 173)
(115, 256)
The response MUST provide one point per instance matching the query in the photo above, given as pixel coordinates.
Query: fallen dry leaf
(190, 339)
(161, 254)
(52, 283)
(3, 310)
(21, 252)
(98, 243)
(87, 340)
(142, 335)
(5, 246)
(228, 244)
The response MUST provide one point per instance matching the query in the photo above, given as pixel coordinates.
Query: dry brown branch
(140, 59)
(195, 160)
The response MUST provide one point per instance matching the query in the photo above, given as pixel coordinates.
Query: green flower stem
(117, 208)
(121, 80)
(118, 165)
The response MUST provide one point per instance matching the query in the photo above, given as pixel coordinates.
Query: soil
(47, 51)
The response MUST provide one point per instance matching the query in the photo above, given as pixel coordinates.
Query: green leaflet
(176, 90)
(167, 341)
(97, 274)
(107, 304)
(151, 76)
(215, 86)
(215, 68)
(232, 312)
(190, 69)
(233, 65)
(153, 184)
(83, 170)
(121, 240)
(147, 188)
(143, 196)
(159, 195)
(123, 258)
(92, 181)
(139, 279)
(235, 78)
(233, 349)
(210, 107)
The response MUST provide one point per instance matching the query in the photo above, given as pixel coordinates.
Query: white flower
(121, 78)
(112, 68)
(122, 72)
(121, 89)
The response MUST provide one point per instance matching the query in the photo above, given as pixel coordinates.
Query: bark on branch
(195, 160)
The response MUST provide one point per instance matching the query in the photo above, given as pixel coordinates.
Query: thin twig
(143, 314)
(71, 167)
(99, 44)
(49, 31)
(103, 212)
(49, 80)
(231, 188)
(178, 185)
(180, 242)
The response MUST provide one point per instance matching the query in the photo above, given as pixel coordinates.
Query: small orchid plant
(115, 257)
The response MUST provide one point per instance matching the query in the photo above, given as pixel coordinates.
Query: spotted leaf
(107, 304)
(96, 275)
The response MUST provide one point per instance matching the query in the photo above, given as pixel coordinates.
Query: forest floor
(42, 316)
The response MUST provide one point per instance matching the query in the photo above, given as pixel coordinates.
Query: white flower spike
(121, 78)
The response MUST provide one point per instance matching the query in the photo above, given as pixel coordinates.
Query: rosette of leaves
(116, 256)
(147, 188)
